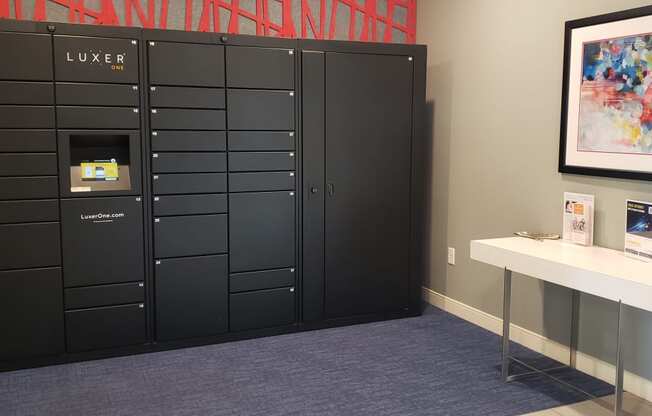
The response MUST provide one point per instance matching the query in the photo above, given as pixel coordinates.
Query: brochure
(638, 235)
(578, 218)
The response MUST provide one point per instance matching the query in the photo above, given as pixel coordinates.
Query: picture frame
(606, 112)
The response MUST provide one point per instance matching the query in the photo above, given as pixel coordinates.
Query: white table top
(598, 271)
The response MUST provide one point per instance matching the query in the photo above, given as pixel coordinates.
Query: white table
(601, 272)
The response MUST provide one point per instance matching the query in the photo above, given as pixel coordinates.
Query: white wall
(494, 94)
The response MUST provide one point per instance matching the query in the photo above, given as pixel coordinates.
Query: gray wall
(177, 11)
(494, 93)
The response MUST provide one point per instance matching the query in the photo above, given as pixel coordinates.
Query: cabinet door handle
(331, 189)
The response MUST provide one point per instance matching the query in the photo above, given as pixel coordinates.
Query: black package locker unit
(98, 116)
(187, 117)
(31, 304)
(223, 178)
(161, 189)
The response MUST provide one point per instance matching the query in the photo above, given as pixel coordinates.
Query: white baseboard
(602, 370)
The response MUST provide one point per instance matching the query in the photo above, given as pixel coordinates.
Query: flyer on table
(638, 236)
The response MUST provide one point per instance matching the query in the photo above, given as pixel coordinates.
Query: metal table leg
(575, 321)
(507, 302)
(620, 370)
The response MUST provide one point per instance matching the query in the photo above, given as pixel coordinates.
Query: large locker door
(368, 158)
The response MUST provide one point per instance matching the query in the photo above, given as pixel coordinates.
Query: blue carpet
(435, 364)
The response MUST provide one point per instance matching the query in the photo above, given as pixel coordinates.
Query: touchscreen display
(100, 170)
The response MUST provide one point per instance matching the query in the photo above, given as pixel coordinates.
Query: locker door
(367, 215)
(261, 231)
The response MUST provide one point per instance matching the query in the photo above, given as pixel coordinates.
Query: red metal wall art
(364, 20)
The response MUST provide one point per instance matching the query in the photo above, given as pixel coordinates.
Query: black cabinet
(153, 185)
(26, 117)
(105, 295)
(186, 64)
(192, 235)
(31, 313)
(188, 162)
(96, 59)
(30, 93)
(195, 183)
(192, 297)
(28, 141)
(106, 327)
(35, 65)
(30, 245)
(187, 119)
(262, 230)
(260, 110)
(256, 141)
(262, 309)
(188, 141)
(184, 97)
(69, 93)
(167, 205)
(12, 212)
(102, 240)
(250, 67)
(367, 174)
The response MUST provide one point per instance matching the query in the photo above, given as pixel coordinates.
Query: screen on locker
(99, 162)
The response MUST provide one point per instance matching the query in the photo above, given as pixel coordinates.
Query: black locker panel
(184, 97)
(106, 295)
(186, 64)
(252, 141)
(261, 231)
(28, 164)
(98, 328)
(261, 161)
(94, 59)
(258, 182)
(29, 211)
(31, 313)
(126, 95)
(26, 117)
(261, 110)
(368, 154)
(248, 67)
(33, 66)
(266, 279)
(30, 245)
(190, 235)
(28, 141)
(98, 117)
(33, 93)
(184, 183)
(102, 240)
(261, 309)
(191, 297)
(188, 162)
(189, 204)
(189, 141)
(184, 119)
(35, 187)
(314, 187)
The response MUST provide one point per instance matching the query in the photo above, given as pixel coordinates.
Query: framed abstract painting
(606, 121)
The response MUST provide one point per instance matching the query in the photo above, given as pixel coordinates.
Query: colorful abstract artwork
(606, 115)
(616, 96)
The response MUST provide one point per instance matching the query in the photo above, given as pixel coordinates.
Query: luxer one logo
(102, 217)
(115, 60)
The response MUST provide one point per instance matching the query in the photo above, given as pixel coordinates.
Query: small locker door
(368, 157)
(261, 230)
(102, 240)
